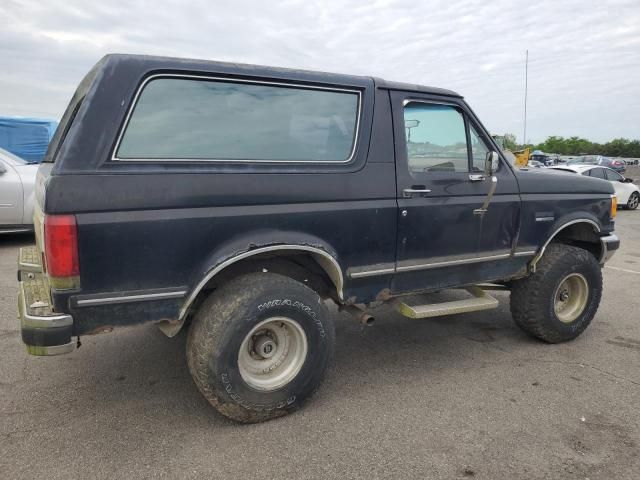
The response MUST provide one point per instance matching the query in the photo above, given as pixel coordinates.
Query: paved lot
(468, 396)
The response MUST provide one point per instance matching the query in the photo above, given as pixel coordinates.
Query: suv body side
(151, 234)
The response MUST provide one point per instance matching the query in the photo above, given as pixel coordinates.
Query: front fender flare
(561, 225)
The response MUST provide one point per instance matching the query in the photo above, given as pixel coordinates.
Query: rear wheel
(634, 200)
(259, 346)
(559, 300)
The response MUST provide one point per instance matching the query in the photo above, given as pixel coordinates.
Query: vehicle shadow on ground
(16, 239)
(140, 364)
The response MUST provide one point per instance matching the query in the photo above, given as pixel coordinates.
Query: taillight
(61, 246)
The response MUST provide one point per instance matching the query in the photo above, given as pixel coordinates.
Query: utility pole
(526, 81)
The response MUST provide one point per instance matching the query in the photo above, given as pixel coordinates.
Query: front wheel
(259, 346)
(559, 300)
(634, 200)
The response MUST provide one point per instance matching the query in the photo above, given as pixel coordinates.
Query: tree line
(618, 147)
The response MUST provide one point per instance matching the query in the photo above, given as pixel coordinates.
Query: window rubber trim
(123, 128)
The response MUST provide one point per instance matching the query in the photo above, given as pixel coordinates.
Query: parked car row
(617, 165)
(541, 159)
(627, 192)
(17, 179)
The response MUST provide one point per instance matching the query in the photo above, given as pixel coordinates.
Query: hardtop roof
(202, 66)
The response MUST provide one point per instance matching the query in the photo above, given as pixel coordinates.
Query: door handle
(477, 177)
(416, 190)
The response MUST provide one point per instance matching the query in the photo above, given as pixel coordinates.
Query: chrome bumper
(44, 332)
(610, 245)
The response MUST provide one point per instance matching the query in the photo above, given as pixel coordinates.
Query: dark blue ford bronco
(235, 200)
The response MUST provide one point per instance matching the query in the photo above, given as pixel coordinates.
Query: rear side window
(613, 176)
(203, 119)
(62, 130)
(70, 113)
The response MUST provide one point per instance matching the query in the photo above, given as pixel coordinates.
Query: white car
(17, 179)
(627, 192)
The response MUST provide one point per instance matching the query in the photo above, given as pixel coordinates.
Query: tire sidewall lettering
(237, 398)
(286, 302)
(290, 396)
(225, 319)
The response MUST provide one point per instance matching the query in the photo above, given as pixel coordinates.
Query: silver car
(17, 179)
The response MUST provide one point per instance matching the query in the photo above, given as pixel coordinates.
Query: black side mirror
(627, 180)
(491, 163)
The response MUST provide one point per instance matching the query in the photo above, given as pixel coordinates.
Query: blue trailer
(28, 138)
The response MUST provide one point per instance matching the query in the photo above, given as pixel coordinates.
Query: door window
(436, 138)
(598, 173)
(479, 150)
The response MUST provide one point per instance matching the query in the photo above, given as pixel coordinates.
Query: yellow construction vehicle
(519, 158)
(522, 157)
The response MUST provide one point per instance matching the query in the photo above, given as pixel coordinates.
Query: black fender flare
(246, 247)
(558, 227)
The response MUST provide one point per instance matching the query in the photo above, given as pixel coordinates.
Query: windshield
(10, 158)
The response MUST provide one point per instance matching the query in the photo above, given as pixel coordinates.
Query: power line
(526, 80)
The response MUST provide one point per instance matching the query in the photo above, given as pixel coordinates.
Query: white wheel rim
(570, 298)
(272, 353)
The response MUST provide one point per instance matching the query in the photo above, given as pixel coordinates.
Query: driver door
(443, 240)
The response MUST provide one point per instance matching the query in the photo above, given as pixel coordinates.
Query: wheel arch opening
(310, 266)
(582, 233)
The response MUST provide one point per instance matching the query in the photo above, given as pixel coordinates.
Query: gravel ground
(468, 396)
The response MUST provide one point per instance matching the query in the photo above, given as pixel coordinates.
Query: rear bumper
(610, 244)
(44, 332)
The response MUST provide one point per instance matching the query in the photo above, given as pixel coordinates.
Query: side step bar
(480, 300)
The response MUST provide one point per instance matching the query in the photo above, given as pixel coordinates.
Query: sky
(584, 56)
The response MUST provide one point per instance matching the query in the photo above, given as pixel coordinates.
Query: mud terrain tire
(537, 300)
(253, 315)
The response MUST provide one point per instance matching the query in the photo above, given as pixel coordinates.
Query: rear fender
(248, 246)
